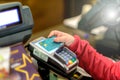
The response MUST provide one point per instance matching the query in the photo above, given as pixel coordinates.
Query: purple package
(22, 67)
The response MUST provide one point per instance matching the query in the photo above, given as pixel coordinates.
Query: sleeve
(97, 65)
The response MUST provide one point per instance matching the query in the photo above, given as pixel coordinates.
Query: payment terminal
(55, 53)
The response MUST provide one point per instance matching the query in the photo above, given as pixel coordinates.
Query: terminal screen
(9, 17)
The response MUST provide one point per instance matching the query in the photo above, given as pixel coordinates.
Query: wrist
(70, 41)
(73, 46)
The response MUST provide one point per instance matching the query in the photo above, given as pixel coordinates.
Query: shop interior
(92, 20)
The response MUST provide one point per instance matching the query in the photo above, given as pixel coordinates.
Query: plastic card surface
(48, 44)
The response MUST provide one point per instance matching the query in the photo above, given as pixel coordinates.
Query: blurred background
(48, 13)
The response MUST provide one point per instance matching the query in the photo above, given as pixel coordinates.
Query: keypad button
(70, 62)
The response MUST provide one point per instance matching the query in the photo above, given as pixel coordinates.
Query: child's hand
(62, 37)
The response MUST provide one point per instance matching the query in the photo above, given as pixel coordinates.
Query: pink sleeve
(97, 65)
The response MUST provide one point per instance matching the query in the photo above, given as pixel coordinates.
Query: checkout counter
(15, 29)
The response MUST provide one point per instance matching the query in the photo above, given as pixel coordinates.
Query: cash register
(16, 23)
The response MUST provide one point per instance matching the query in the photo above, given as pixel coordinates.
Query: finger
(60, 39)
(51, 34)
(54, 33)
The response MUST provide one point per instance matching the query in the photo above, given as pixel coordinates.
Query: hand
(62, 37)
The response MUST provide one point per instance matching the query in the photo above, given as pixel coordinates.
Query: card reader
(53, 52)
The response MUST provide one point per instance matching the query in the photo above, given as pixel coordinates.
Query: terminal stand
(43, 66)
(44, 69)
